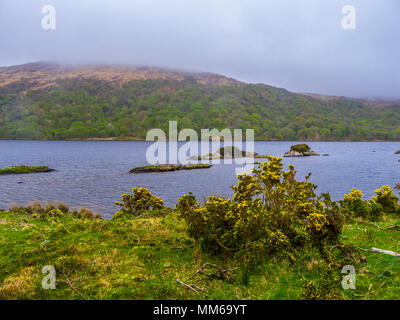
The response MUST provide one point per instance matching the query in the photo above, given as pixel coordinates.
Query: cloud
(298, 45)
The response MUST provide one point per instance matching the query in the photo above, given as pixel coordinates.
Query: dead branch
(391, 253)
(221, 274)
(381, 228)
(392, 227)
(190, 287)
(68, 282)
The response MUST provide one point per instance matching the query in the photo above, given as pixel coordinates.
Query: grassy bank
(141, 258)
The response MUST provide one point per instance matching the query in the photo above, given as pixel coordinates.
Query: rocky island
(300, 150)
(228, 153)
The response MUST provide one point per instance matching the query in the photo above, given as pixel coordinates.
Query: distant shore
(142, 139)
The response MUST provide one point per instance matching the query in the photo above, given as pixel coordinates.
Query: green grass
(24, 169)
(141, 258)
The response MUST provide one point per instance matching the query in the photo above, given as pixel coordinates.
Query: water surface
(94, 174)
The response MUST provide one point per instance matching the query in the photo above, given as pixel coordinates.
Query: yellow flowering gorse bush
(384, 201)
(270, 211)
(386, 198)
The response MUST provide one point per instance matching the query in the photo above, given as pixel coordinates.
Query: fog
(297, 45)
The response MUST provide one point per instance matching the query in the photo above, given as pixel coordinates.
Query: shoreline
(144, 140)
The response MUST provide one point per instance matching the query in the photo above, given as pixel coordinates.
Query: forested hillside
(99, 106)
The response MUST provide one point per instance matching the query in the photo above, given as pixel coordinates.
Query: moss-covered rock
(300, 150)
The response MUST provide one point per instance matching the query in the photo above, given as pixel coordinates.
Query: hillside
(47, 101)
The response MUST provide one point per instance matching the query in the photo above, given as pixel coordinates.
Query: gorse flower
(270, 211)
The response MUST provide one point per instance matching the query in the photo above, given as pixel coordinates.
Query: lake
(94, 174)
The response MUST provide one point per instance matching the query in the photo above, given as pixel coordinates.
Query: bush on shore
(270, 212)
(142, 200)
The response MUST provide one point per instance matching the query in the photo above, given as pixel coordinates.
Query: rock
(300, 150)
(397, 152)
(228, 153)
(325, 155)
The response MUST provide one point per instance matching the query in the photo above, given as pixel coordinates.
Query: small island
(24, 169)
(300, 150)
(169, 167)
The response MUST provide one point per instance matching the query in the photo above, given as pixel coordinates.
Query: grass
(24, 169)
(141, 258)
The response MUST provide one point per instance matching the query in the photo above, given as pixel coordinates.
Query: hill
(48, 101)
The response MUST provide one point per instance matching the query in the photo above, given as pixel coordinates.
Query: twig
(222, 245)
(391, 253)
(392, 227)
(190, 287)
(334, 247)
(219, 274)
(68, 282)
(381, 228)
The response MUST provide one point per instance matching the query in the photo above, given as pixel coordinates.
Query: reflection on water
(95, 173)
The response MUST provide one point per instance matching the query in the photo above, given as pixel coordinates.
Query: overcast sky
(297, 45)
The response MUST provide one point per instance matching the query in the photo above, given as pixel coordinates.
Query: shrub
(386, 199)
(270, 211)
(141, 200)
(53, 210)
(354, 205)
(374, 210)
(325, 288)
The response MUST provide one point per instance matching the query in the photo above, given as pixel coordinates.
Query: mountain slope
(41, 75)
(44, 101)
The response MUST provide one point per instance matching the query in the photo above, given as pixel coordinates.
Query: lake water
(94, 174)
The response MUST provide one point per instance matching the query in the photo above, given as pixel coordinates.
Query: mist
(297, 45)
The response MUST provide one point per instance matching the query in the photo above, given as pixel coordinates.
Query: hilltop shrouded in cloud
(298, 45)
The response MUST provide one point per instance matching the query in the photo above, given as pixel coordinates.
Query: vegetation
(24, 169)
(170, 167)
(300, 148)
(270, 212)
(89, 108)
(197, 166)
(141, 200)
(275, 239)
